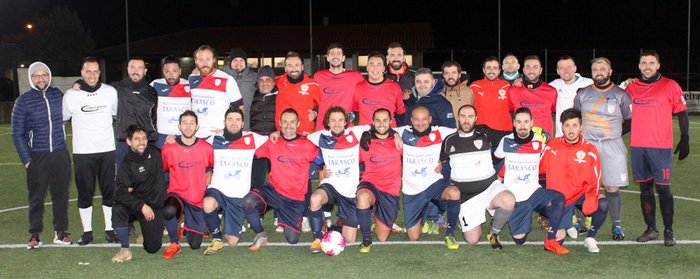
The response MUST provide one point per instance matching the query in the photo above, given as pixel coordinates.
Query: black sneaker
(649, 234)
(85, 239)
(669, 240)
(494, 240)
(111, 237)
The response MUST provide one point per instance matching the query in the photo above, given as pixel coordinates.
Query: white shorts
(471, 212)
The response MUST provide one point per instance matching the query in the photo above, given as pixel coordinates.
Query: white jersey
(521, 167)
(212, 95)
(172, 102)
(565, 96)
(420, 157)
(341, 155)
(233, 163)
(91, 115)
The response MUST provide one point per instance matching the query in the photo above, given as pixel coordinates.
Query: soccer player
(189, 161)
(174, 98)
(290, 157)
(568, 83)
(213, 92)
(377, 92)
(92, 109)
(381, 182)
(479, 188)
(38, 135)
(535, 94)
(510, 69)
(340, 148)
(423, 182)
(606, 111)
(654, 100)
(491, 100)
(572, 166)
(139, 194)
(521, 152)
(297, 91)
(230, 182)
(336, 84)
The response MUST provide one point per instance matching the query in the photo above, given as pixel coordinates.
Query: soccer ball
(332, 243)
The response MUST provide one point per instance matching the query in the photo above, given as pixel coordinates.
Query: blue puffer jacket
(37, 122)
(440, 108)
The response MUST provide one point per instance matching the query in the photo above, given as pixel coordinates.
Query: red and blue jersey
(233, 162)
(520, 170)
(341, 155)
(290, 161)
(336, 90)
(172, 102)
(421, 155)
(212, 95)
(653, 106)
(382, 165)
(370, 96)
(188, 167)
(542, 102)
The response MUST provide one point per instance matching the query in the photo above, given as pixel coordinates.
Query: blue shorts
(385, 206)
(232, 208)
(194, 216)
(520, 221)
(346, 206)
(289, 211)
(566, 219)
(652, 163)
(415, 205)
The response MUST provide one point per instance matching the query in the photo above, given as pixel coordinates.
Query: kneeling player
(521, 152)
(423, 182)
(233, 156)
(480, 188)
(290, 157)
(341, 156)
(189, 161)
(381, 182)
(573, 168)
(139, 194)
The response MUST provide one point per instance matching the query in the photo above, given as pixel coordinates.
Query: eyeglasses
(43, 76)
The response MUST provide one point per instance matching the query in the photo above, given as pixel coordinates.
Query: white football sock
(107, 210)
(86, 218)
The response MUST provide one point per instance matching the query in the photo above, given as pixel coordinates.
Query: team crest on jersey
(478, 143)
(349, 138)
(535, 145)
(611, 108)
(452, 149)
(502, 94)
(432, 137)
(246, 140)
(217, 82)
(187, 89)
(579, 157)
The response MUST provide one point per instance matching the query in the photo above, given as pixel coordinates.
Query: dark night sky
(470, 25)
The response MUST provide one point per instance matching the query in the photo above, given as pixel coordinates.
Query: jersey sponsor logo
(198, 101)
(234, 163)
(642, 101)
(287, 160)
(378, 159)
(141, 169)
(420, 172)
(173, 119)
(343, 173)
(332, 91)
(523, 178)
(579, 157)
(92, 108)
(236, 174)
(531, 104)
(372, 102)
(501, 94)
(187, 165)
(478, 143)
(202, 111)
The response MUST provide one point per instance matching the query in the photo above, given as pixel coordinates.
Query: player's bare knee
(316, 201)
(363, 199)
(209, 204)
(451, 193)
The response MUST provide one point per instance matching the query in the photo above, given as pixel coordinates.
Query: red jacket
(573, 170)
(301, 96)
(492, 104)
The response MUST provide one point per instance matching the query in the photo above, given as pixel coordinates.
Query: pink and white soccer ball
(332, 243)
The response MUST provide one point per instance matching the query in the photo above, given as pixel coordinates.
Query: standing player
(572, 166)
(606, 111)
(174, 98)
(233, 157)
(340, 148)
(290, 157)
(139, 194)
(491, 100)
(423, 182)
(92, 109)
(521, 152)
(535, 94)
(336, 84)
(380, 185)
(213, 92)
(568, 83)
(189, 161)
(510, 69)
(480, 188)
(377, 92)
(654, 100)
(297, 91)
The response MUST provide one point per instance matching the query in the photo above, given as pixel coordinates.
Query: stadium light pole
(499, 30)
(687, 62)
(311, 40)
(126, 14)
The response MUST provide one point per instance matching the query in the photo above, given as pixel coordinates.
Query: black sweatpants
(48, 170)
(152, 231)
(94, 167)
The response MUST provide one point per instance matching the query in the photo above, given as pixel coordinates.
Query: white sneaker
(591, 244)
(279, 228)
(305, 227)
(243, 229)
(572, 232)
